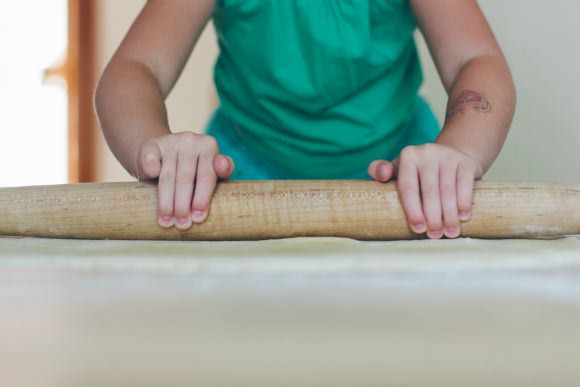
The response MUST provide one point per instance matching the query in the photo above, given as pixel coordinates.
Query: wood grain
(251, 210)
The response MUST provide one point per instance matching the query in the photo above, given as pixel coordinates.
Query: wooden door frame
(81, 79)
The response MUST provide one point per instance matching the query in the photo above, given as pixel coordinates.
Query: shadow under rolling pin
(252, 210)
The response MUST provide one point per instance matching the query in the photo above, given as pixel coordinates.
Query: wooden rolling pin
(275, 209)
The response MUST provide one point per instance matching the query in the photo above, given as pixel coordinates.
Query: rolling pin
(251, 210)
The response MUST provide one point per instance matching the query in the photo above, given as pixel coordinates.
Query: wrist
(478, 156)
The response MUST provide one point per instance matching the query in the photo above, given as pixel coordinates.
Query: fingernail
(166, 221)
(419, 228)
(435, 234)
(464, 215)
(452, 232)
(184, 223)
(198, 216)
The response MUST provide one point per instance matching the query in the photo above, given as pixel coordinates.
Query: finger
(429, 179)
(166, 189)
(149, 165)
(408, 185)
(223, 166)
(448, 190)
(380, 170)
(204, 188)
(186, 171)
(465, 185)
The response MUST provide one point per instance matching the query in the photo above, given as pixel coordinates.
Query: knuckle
(430, 154)
(409, 152)
(450, 163)
(188, 137)
(423, 149)
(429, 148)
(186, 142)
(210, 143)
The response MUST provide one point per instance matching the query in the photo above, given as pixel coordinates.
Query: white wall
(542, 45)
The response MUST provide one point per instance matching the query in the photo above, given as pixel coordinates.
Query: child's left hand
(435, 184)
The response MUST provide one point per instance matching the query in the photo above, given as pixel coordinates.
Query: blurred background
(53, 51)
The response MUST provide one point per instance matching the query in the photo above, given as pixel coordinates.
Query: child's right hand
(188, 166)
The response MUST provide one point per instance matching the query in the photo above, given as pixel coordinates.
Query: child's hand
(435, 183)
(188, 166)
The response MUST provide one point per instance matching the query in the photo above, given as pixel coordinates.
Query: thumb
(381, 170)
(149, 165)
(223, 166)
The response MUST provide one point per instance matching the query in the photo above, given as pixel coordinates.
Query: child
(313, 89)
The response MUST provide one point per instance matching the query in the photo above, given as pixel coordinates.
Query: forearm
(480, 109)
(130, 107)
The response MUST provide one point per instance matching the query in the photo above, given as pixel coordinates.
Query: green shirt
(319, 87)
